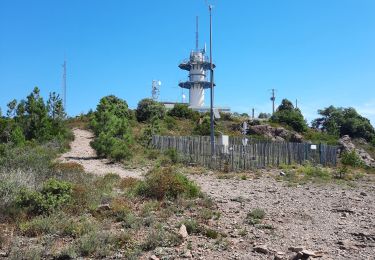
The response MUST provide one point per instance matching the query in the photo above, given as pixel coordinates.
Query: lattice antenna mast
(155, 89)
(64, 84)
(197, 35)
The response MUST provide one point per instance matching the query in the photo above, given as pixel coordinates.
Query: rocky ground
(329, 221)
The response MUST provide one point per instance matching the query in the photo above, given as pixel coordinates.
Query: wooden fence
(237, 157)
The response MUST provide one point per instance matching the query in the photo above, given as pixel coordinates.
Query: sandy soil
(81, 152)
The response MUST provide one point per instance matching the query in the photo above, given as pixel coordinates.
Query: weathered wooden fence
(236, 157)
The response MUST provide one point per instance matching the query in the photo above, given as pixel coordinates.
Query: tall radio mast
(64, 84)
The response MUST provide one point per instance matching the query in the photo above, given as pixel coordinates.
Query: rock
(104, 207)
(261, 249)
(363, 193)
(154, 257)
(188, 254)
(296, 249)
(308, 253)
(282, 173)
(183, 232)
(346, 145)
(279, 256)
(3, 254)
(279, 134)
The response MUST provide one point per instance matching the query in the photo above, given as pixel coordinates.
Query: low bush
(203, 128)
(351, 159)
(163, 183)
(53, 195)
(172, 155)
(315, 173)
(255, 216)
(192, 226)
(148, 109)
(170, 123)
(160, 237)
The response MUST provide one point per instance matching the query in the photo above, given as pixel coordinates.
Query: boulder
(279, 134)
(183, 232)
(261, 249)
(346, 145)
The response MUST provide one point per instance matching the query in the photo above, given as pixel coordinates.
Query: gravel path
(335, 221)
(81, 152)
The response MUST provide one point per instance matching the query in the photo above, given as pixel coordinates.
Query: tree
(288, 115)
(264, 115)
(148, 109)
(11, 108)
(344, 121)
(183, 111)
(110, 123)
(55, 107)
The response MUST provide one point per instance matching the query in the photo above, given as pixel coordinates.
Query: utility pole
(253, 112)
(212, 129)
(273, 101)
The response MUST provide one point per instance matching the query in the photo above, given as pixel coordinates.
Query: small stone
(308, 253)
(188, 254)
(3, 254)
(183, 232)
(154, 257)
(279, 256)
(104, 207)
(296, 249)
(261, 249)
(363, 193)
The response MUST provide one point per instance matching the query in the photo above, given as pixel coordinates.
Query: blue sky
(321, 52)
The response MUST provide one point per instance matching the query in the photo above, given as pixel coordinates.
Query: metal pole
(212, 90)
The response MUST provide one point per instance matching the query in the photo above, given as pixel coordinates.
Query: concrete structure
(197, 65)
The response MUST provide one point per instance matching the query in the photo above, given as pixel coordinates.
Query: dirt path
(81, 152)
(335, 220)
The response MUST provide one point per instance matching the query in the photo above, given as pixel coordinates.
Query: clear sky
(321, 52)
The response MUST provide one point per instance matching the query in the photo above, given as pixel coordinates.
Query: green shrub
(182, 111)
(288, 115)
(255, 216)
(204, 128)
(53, 195)
(211, 233)
(320, 137)
(17, 137)
(97, 243)
(148, 109)
(351, 159)
(315, 173)
(171, 123)
(172, 155)
(163, 183)
(192, 226)
(160, 237)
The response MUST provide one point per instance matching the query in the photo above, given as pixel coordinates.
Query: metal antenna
(212, 127)
(197, 35)
(273, 100)
(64, 83)
(155, 90)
